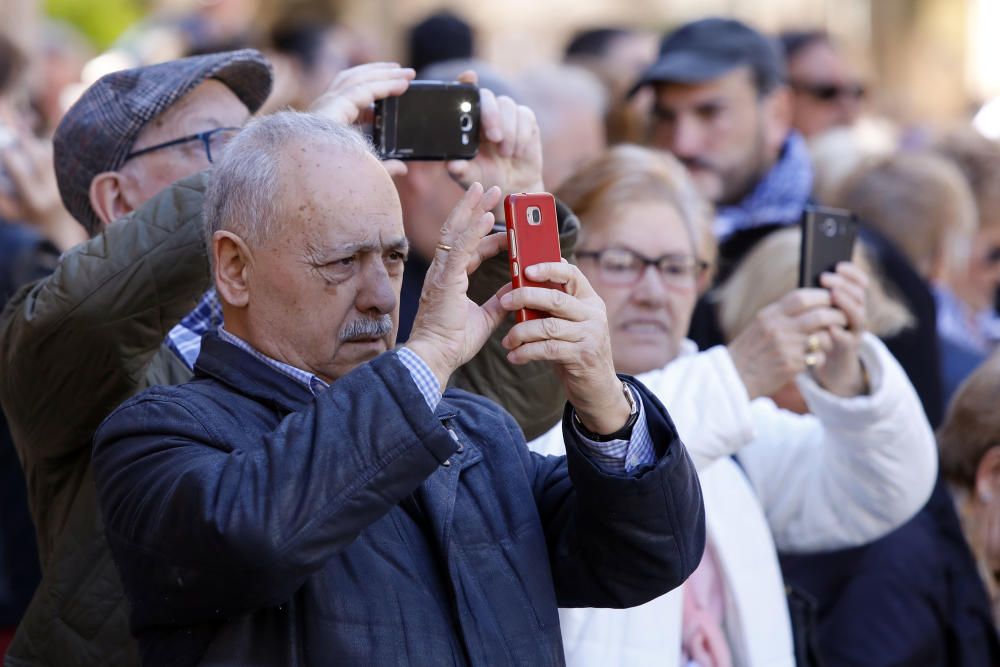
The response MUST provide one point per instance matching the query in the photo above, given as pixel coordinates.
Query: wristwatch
(625, 432)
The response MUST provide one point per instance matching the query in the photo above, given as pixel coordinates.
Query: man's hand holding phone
(449, 328)
(510, 146)
(575, 338)
(352, 93)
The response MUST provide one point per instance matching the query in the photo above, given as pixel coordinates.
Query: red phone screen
(533, 238)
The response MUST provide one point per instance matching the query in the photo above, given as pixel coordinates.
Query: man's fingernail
(532, 271)
(507, 299)
(495, 135)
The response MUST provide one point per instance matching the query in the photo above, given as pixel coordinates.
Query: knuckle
(551, 327)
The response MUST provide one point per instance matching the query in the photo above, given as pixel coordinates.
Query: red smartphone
(533, 238)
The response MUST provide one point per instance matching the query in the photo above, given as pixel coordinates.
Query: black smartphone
(432, 120)
(828, 236)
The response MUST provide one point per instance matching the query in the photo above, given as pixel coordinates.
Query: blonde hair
(978, 158)
(972, 424)
(770, 271)
(921, 202)
(836, 153)
(628, 174)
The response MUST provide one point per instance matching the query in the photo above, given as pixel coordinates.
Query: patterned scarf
(778, 198)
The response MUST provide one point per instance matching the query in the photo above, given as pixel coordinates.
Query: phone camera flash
(465, 107)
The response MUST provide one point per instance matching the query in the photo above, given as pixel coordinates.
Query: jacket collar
(249, 376)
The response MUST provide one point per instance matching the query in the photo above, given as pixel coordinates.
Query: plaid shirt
(617, 456)
(185, 338)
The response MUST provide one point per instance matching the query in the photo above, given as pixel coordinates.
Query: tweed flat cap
(99, 130)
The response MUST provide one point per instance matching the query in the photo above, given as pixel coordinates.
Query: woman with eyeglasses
(861, 464)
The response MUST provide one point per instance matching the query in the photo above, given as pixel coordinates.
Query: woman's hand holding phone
(842, 373)
(575, 338)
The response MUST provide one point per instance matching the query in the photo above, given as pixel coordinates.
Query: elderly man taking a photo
(311, 498)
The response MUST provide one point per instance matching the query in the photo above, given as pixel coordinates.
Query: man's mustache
(366, 328)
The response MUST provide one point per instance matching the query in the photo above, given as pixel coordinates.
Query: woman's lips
(645, 327)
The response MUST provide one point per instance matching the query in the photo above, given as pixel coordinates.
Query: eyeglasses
(623, 267)
(829, 92)
(214, 142)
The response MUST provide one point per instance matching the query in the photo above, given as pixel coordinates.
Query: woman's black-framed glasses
(212, 140)
(624, 267)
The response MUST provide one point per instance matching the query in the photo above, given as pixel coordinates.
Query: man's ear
(777, 117)
(231, 259)
(988, 475)
(108, 197)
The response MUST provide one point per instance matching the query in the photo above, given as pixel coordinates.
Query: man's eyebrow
(399, 244)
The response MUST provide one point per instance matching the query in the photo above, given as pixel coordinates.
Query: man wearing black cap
(81, 341)
(722, 109)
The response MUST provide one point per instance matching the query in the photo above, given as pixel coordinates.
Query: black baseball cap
(707, 49)
(99, 130)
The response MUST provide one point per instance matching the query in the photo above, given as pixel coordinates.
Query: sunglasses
(828, 92)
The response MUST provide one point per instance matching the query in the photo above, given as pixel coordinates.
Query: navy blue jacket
(913, 598)
(255, 524)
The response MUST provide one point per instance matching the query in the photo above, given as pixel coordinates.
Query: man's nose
(688, 137)
(377, 292)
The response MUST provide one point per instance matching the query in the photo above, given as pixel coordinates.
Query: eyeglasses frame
(699, 265)
(205, 138)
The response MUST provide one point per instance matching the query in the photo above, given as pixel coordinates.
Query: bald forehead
(333, 191)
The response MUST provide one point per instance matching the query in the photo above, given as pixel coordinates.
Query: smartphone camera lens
(828, 227)
(465, 122)
(534, 216)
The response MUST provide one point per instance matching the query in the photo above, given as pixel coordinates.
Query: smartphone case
(828, 236)
(531, 243)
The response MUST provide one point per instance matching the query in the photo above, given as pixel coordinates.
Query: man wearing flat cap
(76, 344)
(121, 312)
(127, 309)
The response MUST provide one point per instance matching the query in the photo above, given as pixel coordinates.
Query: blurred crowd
(846, 439)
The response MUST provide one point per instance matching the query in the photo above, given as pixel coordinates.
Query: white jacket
(844, 475)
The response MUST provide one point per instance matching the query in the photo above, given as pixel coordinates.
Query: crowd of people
(265, 400)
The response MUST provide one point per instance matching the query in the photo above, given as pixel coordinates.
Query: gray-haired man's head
(307, 243)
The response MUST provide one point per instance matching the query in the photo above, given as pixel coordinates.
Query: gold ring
(811, 359)
(445, 247)
(812, 343)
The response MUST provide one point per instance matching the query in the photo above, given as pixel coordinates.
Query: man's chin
(351, 354)
(367, 349)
